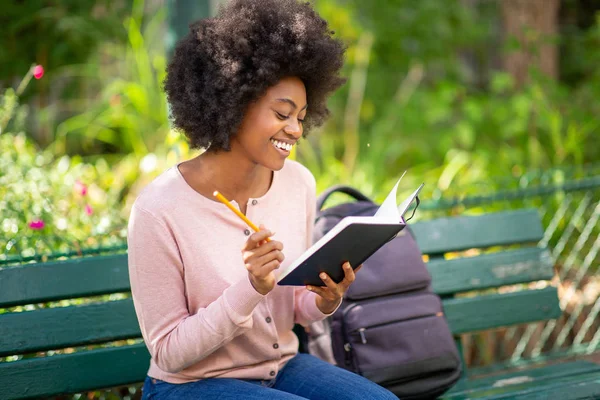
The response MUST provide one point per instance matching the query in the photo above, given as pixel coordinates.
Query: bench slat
(580, 387)
(72, 373)
(490, 270)
(37, 283)
(460, 233)
(470, 314)
(533, 375)
(572, 387)
(56, 328)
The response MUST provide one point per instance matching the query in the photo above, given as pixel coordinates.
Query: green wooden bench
(101, 339)
(463, 282)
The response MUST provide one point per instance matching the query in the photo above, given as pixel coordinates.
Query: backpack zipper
(348, 353)
(363, 334)
(363, 337)
(368, 301)
(408, 291)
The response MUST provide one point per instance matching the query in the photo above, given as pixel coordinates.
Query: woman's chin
(275, 165)
(273, 160)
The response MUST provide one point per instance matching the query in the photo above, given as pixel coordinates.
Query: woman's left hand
(330, 296)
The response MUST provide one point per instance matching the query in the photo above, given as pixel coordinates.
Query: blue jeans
(303, 377)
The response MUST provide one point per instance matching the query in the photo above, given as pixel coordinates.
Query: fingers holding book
(332, 293)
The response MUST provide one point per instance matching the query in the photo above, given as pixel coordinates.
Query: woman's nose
(294, 128)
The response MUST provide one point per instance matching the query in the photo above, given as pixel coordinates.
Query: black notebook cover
(353, 239)
(355, 243)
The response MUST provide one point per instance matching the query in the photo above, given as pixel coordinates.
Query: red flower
(38, 72)
(80, 188)
(37, 224)
(88, 209)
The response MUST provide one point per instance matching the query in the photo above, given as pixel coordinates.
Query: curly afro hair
(227, 62)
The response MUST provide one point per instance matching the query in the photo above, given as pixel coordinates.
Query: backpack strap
(350, 191)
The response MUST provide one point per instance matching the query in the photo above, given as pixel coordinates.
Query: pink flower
(38, 72)
(37, 224)
(80, 188)
(88, 209)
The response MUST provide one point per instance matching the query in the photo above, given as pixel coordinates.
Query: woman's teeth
(282, 145)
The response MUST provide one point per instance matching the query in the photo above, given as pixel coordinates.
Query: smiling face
(272, 125)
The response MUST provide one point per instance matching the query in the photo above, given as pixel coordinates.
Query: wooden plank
(490, 270)
(570, 387)
(468, 314)
(523, 363)
(533, 375)
(581, 387)
(460, 233)
(72, 373)
(82, 277)
(56, 328)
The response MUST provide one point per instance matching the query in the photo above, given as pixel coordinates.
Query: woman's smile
(283, 148)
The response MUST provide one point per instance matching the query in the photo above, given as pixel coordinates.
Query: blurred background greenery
(458, 92)
(472, 97)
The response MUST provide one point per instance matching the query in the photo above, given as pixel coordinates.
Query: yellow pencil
(237, 212)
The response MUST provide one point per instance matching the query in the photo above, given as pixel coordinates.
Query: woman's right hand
(261, 258)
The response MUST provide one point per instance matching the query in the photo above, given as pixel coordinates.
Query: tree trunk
(534, 25)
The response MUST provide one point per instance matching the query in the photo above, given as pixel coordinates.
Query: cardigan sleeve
(175, 338)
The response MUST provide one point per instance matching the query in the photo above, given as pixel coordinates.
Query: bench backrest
(89, 329)
(470, 254)
(98, 339)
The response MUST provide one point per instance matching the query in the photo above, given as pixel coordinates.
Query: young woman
(244, 86)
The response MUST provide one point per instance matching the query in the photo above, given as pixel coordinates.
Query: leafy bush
(49, 205)
(55, 33)
(127, 112)
(412, 103)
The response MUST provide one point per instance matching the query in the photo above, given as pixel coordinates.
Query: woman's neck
(236, 178)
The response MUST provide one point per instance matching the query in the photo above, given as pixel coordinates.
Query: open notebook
(353, 239)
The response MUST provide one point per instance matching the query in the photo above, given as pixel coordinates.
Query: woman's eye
(284, 117)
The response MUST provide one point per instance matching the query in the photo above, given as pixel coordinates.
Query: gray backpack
(391, 327)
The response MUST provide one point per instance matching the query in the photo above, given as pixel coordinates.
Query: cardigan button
(268, 319)
(275, 346)
(272, 373)
(247, 232)
(254, 202)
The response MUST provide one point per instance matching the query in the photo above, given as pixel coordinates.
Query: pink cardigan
(199, 315)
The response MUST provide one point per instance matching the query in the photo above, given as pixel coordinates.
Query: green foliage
(414, 101)
(416, 105)
(53, 33)
(434, 34)
(11, 114)
(128, 115)
(453, 139)
(579, 41)
(49, 205)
